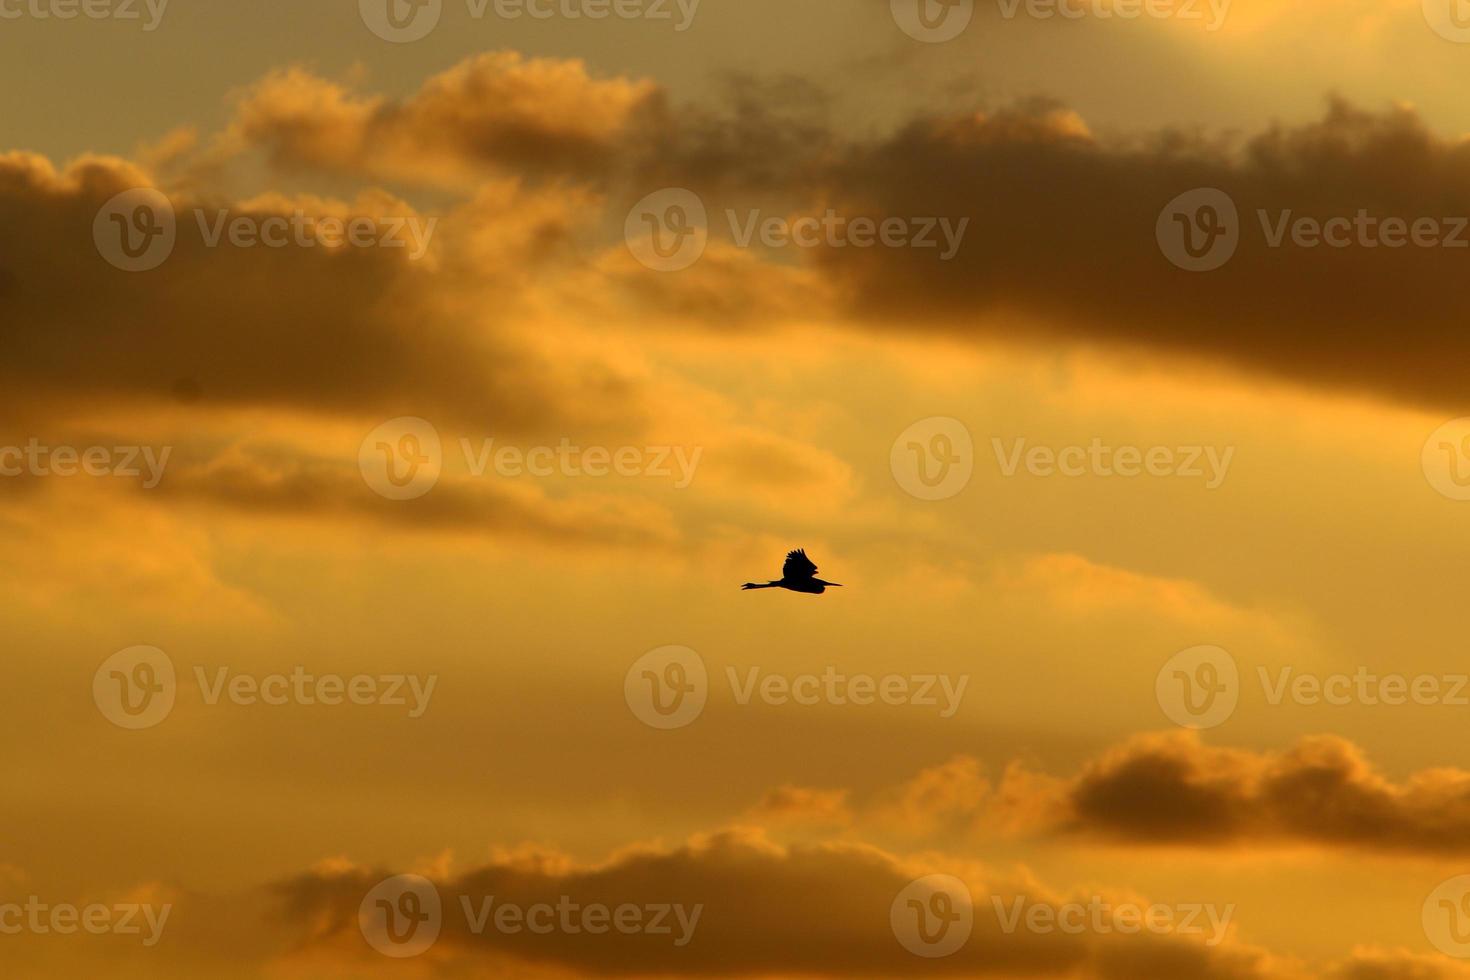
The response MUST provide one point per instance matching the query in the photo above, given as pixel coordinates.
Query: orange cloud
(496, 110)
(1172, 789)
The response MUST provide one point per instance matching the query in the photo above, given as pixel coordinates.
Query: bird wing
(798, 565)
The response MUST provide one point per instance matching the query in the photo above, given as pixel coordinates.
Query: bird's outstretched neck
(768, 585)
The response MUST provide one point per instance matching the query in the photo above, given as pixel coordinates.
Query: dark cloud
(495, 111)
(355, 331)
(1062, 243)
(1172, 789)
(768, 910)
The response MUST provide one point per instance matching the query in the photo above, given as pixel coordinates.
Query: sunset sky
(474, 370)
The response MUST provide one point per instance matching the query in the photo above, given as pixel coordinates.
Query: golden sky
(397, 395)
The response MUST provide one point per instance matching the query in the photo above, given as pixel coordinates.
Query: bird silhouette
(799, 574)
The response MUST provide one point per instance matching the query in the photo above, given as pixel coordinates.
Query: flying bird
(799, 574)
